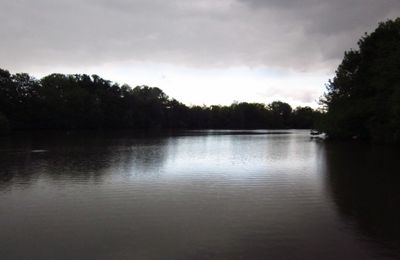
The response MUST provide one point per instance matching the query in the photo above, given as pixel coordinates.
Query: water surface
(197, 195)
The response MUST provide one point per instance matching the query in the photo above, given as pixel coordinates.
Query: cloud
(198, 51)
(298, 35)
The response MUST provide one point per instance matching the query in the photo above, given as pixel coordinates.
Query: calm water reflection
(196, 195)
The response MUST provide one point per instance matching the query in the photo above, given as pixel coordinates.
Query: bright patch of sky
(223, 86)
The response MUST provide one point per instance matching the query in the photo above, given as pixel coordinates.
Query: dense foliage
(62, 101)
(363, 100)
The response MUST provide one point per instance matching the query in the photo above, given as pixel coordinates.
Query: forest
(68, 102)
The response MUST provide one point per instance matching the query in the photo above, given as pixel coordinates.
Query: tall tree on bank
(363, 99)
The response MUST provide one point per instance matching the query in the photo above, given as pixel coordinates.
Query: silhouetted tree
(305, 117)
(281, 114)
(363, 99)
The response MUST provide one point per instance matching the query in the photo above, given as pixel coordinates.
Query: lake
(197, 195)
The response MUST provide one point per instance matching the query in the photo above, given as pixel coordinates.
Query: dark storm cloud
(332, 16)
(335, 24)
(300, 35)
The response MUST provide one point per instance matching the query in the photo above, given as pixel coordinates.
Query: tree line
(60, 101)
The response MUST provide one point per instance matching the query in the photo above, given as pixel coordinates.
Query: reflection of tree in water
(364, 181)
(83, 157)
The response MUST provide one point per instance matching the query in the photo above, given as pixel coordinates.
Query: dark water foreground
(197, 195)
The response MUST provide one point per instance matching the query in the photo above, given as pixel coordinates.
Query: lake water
(197, 195)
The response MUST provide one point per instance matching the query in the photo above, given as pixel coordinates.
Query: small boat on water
(315, 132)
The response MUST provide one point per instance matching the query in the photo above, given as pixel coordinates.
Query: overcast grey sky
(203, 51)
